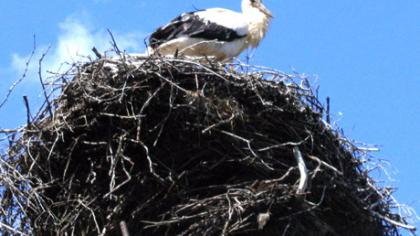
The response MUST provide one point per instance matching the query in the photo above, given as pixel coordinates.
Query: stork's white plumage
(216, 32)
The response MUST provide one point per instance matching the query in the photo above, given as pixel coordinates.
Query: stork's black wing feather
(191, 25)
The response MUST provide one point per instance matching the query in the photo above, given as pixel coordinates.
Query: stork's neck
(258, 23)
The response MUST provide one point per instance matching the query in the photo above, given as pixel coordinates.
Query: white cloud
(74, 43)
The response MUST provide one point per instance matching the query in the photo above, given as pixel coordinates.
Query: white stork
(216, 33)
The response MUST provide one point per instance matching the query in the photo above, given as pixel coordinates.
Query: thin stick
(114, 43)
(303, 182)
(28, 111)
(328, 111)
(325, 164)
(394, 222)
(42, 82)
(8, 228)
(9, 92)
(124, 229)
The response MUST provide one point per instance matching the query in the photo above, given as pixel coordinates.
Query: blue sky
(365, 55)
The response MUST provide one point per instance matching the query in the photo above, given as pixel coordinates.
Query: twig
(9, 131)
(114, 43)
(248, 142)
(47, 100)
(293, 144)
(8, 228)
(97, 53)
(328, 111)
(28, 111)
(219, 123)
(303, 182)
(174, 221)
(325, 164)
(394, 222)
(124, 229)
(9, 92)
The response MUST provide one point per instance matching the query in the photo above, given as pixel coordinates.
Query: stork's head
(255, 6)
(258, 17)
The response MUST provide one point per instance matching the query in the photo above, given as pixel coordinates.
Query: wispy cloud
(74, 43)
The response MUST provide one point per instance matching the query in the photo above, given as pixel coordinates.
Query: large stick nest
(175, 147)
